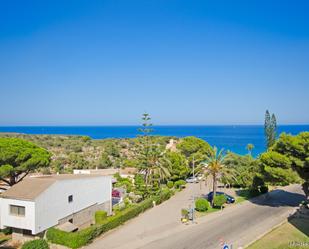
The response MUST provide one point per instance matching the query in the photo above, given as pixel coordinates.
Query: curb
(265, 233)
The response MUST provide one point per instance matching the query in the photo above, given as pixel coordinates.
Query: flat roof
(31, 187)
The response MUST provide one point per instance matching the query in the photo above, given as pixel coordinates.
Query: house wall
(52, 205)
(9, 220)
(85, 217)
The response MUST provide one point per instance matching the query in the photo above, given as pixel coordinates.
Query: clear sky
(102, 62)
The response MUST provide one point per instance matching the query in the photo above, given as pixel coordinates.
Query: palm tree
(250, 147)
(215, 168)
(155, 166)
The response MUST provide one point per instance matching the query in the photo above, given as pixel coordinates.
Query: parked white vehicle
(192, 180)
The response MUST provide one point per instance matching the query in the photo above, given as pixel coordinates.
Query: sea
(228, 137)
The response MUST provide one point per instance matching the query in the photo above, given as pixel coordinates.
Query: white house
(38, 203)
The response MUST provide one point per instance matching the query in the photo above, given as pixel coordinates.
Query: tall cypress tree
(273, 129)
(270, 129)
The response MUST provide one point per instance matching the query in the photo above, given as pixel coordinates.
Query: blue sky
(185, 62)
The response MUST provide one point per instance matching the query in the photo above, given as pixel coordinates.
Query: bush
(163, 196)
(6, 231)
(264, 189)
(100, 216)
(178, 184)
(254, 192)
(36, 244)
(170, 184)
(202, 205)
(219, 200)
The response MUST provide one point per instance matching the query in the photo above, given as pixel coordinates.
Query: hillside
(82, 152)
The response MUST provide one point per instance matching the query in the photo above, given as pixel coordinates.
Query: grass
(210, 210)
(245, 194)
(4, 238)
(296, 230)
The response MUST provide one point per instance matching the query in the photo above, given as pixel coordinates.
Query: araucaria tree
(18, 158)
(214, 164)
(270, 129)
(146, 125)
(153, 164)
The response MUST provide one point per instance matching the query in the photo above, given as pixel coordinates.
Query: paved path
(237, 225)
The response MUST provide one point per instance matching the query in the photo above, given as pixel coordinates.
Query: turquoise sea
(229, 137)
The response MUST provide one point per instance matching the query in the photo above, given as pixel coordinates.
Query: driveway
(238, 225)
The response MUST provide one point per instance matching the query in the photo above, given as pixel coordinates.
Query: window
(17, 210)
(70, 198)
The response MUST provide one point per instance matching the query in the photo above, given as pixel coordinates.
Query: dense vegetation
(71, 152)
(18, 158)
(287, 161)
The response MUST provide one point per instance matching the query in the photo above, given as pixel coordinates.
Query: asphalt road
(238, 225)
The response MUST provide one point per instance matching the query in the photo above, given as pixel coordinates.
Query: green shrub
(36, 244)
(185, 213)
(219, 200)
(254, 192)
(6, 231)
(202, 205)
(163, 196)
(178, 184)
(264, 189)
(100, 216)
(170, 184)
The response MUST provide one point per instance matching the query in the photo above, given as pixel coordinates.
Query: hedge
(163, 196)
(100, 216)
(36, 244)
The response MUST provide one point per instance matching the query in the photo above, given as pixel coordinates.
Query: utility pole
(193, 164)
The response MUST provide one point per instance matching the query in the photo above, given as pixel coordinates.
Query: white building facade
(36, 204)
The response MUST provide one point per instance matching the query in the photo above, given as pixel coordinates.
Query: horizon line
(134, 125)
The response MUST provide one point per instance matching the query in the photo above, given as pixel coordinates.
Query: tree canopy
(290, 154)
(194, 147)
(178, 165)
(244, 169)
(19, 157)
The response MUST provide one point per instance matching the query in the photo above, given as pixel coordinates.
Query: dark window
(70, 198)
(17, 210)
(71, 220)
